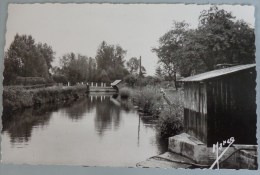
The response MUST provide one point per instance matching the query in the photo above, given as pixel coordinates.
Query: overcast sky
(80, 28)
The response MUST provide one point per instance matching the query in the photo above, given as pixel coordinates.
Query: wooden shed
(221, 104)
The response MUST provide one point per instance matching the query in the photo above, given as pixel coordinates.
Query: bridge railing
(98, 84)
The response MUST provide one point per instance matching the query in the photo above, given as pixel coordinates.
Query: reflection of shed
(221, 104)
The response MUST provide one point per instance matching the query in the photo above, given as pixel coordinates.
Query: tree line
(26, 58)
(218, 39)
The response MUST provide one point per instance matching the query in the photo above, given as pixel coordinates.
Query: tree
(104, 56)
(110, 58)
(47, 53)
(77, 68)
(170, 48)
(133, 65)
(103, 77)
(27, 59)
(219, 39)
(159, 72)
(130, 80)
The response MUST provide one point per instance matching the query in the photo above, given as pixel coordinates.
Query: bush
(58, 78)
(170, 123)
(130, 80)
(171, 117)
(15, 98)
(125, 93)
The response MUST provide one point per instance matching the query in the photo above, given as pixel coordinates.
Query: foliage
(132, 65)
(15, 98)
(169, 50)
(110, 59)
(26, 58)
(219, 39)
(149, 100)
(59, 78)
(103, 77)
(149, 80)
(171, 117)
(125, 93)
(130, 80)
(169, 123)
(29, 81)
(159, 72)
(77, 68)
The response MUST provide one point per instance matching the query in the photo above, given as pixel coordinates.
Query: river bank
(152, 105)
(16, 98)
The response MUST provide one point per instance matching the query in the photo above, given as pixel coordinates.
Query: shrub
(15, 98)
(170, 123)
(130, 80)
(59, 78)
(171, 117)
(125, 93)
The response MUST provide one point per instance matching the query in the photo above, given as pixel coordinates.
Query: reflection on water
(95, 131)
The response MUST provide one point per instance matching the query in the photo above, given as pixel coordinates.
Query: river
(94, 131)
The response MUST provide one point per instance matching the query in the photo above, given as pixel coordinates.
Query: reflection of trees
(20, 125)
(107, 113)
(77, 109)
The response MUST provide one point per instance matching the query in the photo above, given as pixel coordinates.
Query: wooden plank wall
(195, 110)
(232, 108)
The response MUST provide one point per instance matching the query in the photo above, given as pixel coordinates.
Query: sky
(80, 28)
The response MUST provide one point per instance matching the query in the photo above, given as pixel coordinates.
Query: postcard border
(11, 169)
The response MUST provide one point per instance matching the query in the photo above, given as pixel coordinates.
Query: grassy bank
(15, 98)
(152, 106)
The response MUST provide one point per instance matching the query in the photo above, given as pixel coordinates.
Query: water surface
(94, 131)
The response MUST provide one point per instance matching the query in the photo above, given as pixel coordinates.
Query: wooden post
(140, 68)
(165, 97)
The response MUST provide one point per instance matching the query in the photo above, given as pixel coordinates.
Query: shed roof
(217, 73)
(115, 82)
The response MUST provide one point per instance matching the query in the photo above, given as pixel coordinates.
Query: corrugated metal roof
(115, 82)
(217, 73)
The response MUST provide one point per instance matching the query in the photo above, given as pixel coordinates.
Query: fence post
(165, 97)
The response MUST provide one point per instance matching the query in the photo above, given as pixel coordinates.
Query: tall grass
(149, 100)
